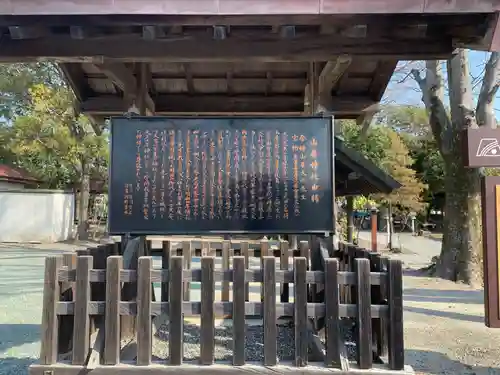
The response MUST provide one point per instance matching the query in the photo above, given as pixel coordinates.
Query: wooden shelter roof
(356, 175)
(234, 56)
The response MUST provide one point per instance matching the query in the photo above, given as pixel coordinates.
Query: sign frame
(329, 159)
(481, 147)
(490, 200)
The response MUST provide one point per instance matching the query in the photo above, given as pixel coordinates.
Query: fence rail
(351, 289)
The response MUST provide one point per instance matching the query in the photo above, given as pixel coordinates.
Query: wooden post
(48, 352)
(225, 266)
(350, 219)
(374, 229)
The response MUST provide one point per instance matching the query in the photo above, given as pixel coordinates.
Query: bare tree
(461, 252)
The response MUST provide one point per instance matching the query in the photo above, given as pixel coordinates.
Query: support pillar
(374, 229)
(350, 219)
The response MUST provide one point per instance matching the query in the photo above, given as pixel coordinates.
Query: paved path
(417, 252)
(21, 285)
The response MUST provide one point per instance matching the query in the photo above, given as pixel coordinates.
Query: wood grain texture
(314, 310)
(255, 8)
(395, 299)
(225, 266)
(112, 314)
(245, 252)
(239, 297)
(251, 275)
(269, 313)
(364, 318)
(144, 326)
(175, 310)
(81, 327)
(217, 369)
(49, 329)
(284, 263)
(207, 331)
(187, 254)
(165, 265)
(300, 311)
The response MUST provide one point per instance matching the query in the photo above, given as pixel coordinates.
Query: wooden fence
(352, 287)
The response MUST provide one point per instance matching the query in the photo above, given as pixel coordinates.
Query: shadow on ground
(444, 296)
(12, 335)
(435, 363)
(445, 314)
(15, 366)
(475, 297)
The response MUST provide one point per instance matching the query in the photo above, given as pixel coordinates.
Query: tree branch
(485, 111)
(432, 97)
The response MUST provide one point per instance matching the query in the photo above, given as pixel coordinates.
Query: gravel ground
(223, 343)
(254, 339)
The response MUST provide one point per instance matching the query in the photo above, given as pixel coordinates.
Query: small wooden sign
(482, 147)
(490, 189)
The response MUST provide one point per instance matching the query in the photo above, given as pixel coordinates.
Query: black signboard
(220, 174)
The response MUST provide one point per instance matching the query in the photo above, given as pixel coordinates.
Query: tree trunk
(460, 258)
(83, 204)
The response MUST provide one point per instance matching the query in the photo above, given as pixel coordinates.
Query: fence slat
(225, 266)
(205, 249)
(112, 314)
(378, 298)
(144, 326)
(364, 319)
(304, 251)
(207, 334)
(332, 321)
(300, 311)
(239, 297)
(264, 251)
(186, 253)
(48, 351)
(395, 299)
(270, 331)
(284, 262)
(81, 328)
(245, 253)
(66, 293)
(165, 264)
(175, 311)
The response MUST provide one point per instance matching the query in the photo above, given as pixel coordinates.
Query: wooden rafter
(124, 79)
(332, 73)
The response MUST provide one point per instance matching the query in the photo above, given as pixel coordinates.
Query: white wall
(36, 215)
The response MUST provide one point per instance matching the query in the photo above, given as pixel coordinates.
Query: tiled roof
(8, 173)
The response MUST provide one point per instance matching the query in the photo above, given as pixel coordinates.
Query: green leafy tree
(386, 148)
(16, 79)
(54, 143)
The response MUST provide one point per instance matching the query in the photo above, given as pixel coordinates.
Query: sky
(404, 90)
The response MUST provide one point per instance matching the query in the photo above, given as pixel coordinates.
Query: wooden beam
(112, 105)
(126, 81)
(170, 8)
(332, 73)
(317, 48)
(365, 120)
(75, 76)
(356, 31)
(27, 32)
(146, 104)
